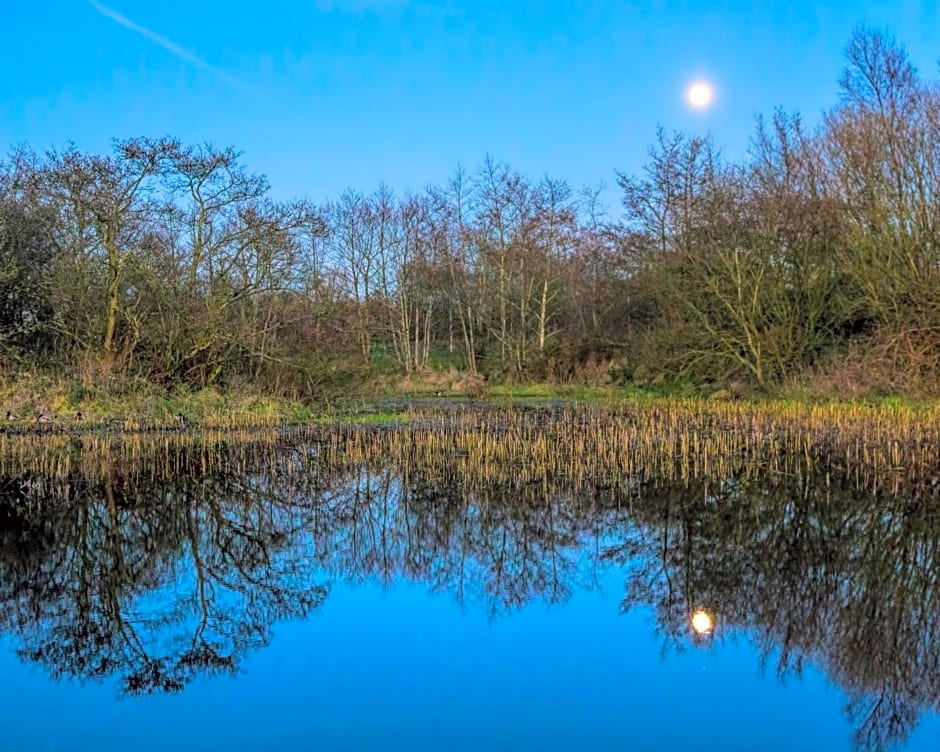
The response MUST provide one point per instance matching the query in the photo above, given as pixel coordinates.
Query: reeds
(675, 438)
(671, 438)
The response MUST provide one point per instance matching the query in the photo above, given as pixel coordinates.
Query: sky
(321, 95)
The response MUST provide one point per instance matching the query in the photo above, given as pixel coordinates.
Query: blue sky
(325, 94)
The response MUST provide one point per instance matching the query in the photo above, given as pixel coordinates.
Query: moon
(700, 95)
(702, 622)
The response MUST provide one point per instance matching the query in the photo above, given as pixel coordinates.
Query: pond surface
(320, 590)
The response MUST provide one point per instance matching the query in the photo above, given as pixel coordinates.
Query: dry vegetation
(881, 446)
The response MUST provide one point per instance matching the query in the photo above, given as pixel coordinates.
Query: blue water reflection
(257, 604)
(400, 669)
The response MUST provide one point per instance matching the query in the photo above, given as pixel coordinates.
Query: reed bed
(881, 446)
(684, 438)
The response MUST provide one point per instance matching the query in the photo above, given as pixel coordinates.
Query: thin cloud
(169, 45)
(358, 6)
(386, 7)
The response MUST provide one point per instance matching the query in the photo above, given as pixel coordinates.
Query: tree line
(813, 260)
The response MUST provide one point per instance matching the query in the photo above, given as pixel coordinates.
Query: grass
(363, 418)
(882, 447)
(572, 392)
(142, 406)
(148, 408)
(614, 395)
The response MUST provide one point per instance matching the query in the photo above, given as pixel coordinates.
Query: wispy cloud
(386, 7)
(170, 46)
(359, 6)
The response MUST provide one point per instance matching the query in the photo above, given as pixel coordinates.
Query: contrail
(169, 45)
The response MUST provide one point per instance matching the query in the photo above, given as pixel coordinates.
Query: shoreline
(148, 414)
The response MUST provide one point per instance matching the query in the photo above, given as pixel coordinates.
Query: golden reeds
(676, 439)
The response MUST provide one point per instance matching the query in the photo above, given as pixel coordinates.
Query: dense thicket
(816, 259)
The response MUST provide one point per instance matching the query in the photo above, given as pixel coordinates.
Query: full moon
(700, 95)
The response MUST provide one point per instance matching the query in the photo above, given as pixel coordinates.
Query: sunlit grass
(880, 445)
(379, 418)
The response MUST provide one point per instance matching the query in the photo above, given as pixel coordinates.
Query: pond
(501, 579)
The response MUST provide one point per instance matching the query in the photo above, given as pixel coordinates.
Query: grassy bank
(146, 406)
(68, 403)
(623, 394)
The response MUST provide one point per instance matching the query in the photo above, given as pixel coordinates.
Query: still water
(298, 591)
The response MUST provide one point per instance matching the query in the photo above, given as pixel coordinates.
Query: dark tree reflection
(154, 577)
(161, 562)
(816, 570)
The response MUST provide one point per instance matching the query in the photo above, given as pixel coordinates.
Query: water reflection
(160, 562)
(702, 622)
(828, 573)
(151, 577)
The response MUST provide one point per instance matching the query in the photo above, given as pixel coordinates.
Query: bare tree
(106, 207)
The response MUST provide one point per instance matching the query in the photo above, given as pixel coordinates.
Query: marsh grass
(136, 409)
(881, 447)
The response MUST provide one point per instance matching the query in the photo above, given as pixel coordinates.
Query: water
(220, 594)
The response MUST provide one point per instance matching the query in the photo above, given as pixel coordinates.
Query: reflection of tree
(499, 544)
(155, 578)
(817, 571)
(176, 560)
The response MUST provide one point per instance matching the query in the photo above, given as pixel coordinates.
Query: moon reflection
(702, 622)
